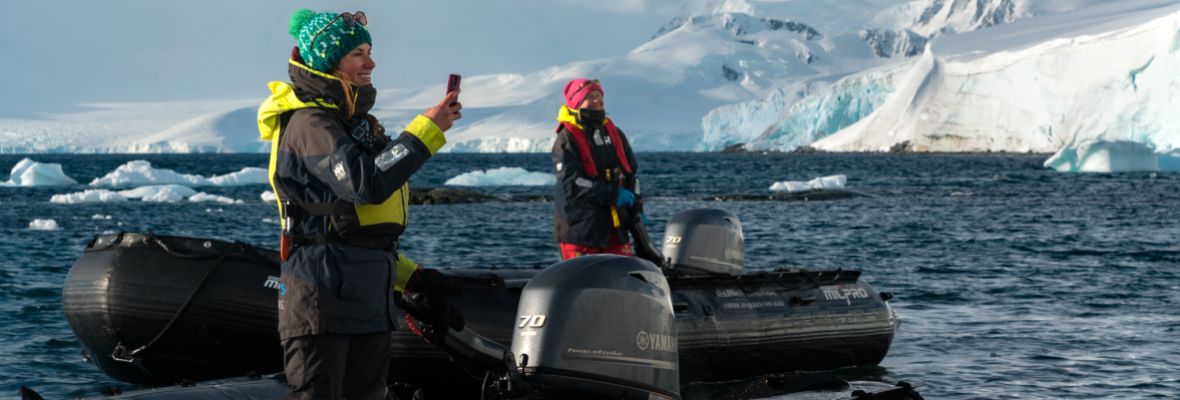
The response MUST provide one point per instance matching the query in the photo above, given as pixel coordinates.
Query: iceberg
(88, 196)
(200, 197)
(151, 194)
(246, 176)
(1113, 156)
(140, 172)
(823, 182)
(29, 173)
(159, 193)
(503, 176)
(43, 225)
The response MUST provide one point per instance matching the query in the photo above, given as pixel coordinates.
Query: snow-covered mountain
(813, 107)
(166, 127)
(857, 75)
(1076, 74)
(714, 54)
(658, 91)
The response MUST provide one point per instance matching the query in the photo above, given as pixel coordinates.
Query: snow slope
(185, 126)
(814, 106)
(860, 75)
(714, 54)
(1104, 72)
(1086, 82)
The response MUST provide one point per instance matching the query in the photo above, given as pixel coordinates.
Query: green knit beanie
(333, 43)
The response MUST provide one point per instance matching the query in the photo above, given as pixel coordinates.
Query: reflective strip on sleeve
(429, 133)
(390, 157)
(405, 269)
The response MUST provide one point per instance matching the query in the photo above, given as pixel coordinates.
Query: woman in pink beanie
(595, 201)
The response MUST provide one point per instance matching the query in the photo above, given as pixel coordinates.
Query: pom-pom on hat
(336, 37)
(577, 90)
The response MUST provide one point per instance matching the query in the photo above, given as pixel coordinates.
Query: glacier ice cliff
(1081, 84)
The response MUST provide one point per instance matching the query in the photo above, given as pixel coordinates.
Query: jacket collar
(566, 115)
(311, 85)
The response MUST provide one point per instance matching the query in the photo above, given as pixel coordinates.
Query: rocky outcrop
(447, 195)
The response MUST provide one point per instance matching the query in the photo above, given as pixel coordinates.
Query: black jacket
(336, 288)
(581, 204)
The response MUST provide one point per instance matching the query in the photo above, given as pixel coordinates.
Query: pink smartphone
(453, 85)
(453, 82)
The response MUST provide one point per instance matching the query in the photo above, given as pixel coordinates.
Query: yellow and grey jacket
(343, 199)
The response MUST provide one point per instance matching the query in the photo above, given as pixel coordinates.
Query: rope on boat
(120, 353)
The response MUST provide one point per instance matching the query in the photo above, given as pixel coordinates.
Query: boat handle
(800, 301)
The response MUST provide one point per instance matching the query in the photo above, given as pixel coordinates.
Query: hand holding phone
(447, 110)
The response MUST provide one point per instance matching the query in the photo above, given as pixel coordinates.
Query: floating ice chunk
(503, 176)
(823, 182)
(791, 186)
(269, 196)
(88, 196)
(43, 225)
(153, 193)
(247, 176)
(160, 193)
(29, 173)
(140, 172)
(833, 182)
(212, 197)
(1111, 156)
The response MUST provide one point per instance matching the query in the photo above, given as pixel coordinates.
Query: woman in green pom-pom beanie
(342, 196)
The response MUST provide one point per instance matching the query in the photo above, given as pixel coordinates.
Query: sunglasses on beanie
(350, 19)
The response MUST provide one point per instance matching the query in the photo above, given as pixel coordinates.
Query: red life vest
(588, 164)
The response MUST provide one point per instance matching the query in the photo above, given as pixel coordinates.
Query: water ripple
(1012, 281)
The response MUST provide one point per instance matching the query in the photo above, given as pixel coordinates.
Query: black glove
(431, 291)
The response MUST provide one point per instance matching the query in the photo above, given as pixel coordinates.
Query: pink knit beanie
(578, 89)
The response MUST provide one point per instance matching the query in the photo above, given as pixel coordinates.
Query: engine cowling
(599, 325)
(705, 241)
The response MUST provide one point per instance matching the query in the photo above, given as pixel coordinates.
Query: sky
(56, 55)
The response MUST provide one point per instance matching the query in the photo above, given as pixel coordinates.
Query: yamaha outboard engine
(705, 241)
(599, 326)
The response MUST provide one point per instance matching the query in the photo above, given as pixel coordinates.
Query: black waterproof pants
(333, 366)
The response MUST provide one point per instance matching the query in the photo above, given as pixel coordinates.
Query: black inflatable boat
(153, 309)
(275, 387)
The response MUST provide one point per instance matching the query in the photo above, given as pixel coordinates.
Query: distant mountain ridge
(759, 73)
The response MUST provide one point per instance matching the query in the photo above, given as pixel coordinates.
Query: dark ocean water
(1013, 282)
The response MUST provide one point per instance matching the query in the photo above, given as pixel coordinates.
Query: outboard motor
(597, 326)
(601, 326)
(705, 241)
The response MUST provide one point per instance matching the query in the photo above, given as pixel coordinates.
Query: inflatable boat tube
(151, 309)
(275, 387)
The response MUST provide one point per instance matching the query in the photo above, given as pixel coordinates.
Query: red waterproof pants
(570, 250)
